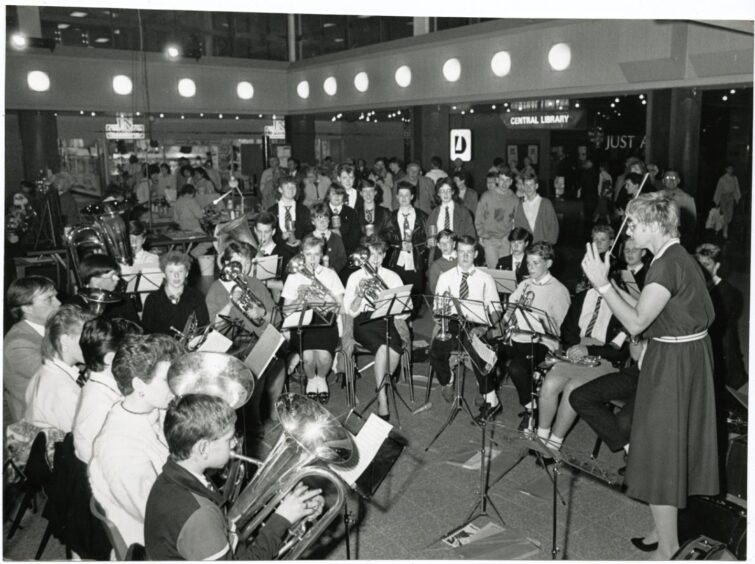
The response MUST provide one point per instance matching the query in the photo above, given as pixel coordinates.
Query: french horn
(311, 439)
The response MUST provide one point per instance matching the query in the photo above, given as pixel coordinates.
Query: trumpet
(245, 300)
(443, 311)
(373, 285)
(316, 291)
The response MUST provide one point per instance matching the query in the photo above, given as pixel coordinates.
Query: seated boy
(184, 520)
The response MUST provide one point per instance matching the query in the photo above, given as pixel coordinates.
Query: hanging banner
(567, 119)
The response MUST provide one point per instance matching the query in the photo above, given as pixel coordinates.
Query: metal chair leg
(429, 384)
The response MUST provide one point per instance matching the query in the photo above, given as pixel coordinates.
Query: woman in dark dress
(172, 304)
(673, 447)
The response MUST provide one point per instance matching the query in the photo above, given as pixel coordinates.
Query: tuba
(237, 229)
(212, 373)
(311, 439)
(107, 235)
(372, 285)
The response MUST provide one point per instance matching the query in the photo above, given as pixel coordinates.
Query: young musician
(450, 213)
(519, 239)
(343, 218)
(102, 272)
(184, 519)
(409, 238)
(293, 218)
(360, 289)
(264, 230)
(541, 291)
(318, 344)
(466, 282)
(447, 260)
(346, 178)
(373, 218)
(332, 243)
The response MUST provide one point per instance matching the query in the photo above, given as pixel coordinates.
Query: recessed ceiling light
(338, 40)
(78, 14)
(328, 24)
(19, 41)
(101, 40)
(63, 26)
(732, 91)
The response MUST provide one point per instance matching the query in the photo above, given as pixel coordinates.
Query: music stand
(388, 304)
(266, 268)
(307, 314)
(467, 311)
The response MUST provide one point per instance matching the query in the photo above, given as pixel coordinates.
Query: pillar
(300, 133)
(39, 142)
(430, 131)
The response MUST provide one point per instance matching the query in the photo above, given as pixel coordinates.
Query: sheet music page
(264, 351)
(150, 280)
(130, 280)
(505, 280)
(291, 321)
(526, 321)
(215, 342)
(371, 437)
(484, 351)
(474, 312)
(265, 268)
(400, 304)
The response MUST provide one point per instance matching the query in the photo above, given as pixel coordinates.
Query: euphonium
(443, 310)
(212, 373)
(234, 271)
(310, 435)
(317, 290)
(373, 285)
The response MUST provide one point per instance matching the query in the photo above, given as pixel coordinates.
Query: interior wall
(361, 140)
(14, 169)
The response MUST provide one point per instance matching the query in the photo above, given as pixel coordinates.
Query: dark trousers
(520, 366)
(440, 352)
(591, 402)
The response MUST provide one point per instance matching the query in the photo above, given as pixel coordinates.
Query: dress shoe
(639, 542)
(524, 424)
(313, 396)
(447, 392)
(386, 417)
(488, 412)
(323, 397)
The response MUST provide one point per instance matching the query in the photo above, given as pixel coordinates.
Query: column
(430, 130)
(39, 142)
(300, 133)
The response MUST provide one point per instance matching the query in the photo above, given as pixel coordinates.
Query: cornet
(443, 311)
(234, 272)
(373, 285)
(316, 292)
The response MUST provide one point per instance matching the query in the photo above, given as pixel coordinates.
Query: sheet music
(373, 434)
(526, 321)
(150, 280)
(265, 268)
(402, 303)
(473, 311)
(264, 351)
(215, 342)
(505, 280)
(484, 351)
(291, 321)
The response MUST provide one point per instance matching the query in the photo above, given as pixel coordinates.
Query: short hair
(138, 355)
(415, 164)
(461, 174)
(493, 175)
(100, 336)
(136, 227)
(542, 249)
(530, 176)
(603, 228)
(445, 181)
(404, 185)
(466, 240)
(165, 166)
(446, 233)
(187, 190)
(95, 265)
(320, 208)
(175, 257)
(396, 160)
(70, 318)
(266, 218)
(656, 208)
(153, 169)
(311, 241)
(22, 292)
(710, 251)
(376, 242)
(186, 167)
(337, 189)
(234, 247)
(520, 234)
(436, 162)
(634, 177)
(288, 179)
(195, 417)
(344, 167)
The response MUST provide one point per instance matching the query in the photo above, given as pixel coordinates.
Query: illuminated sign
(570, 119)
(461, 144)
(277, 130)
(125, 128)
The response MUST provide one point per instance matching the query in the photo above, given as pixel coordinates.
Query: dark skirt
(316, 339)
(370, 333)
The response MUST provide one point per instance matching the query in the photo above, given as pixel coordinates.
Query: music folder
(505, 280)
(266, 268)
(264, 351)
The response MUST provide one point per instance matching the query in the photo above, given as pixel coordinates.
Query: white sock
(555, 442)
(491, 399)
(626, 448)
(312, 385)
(544, 432)
(322, 384)
(528, 407)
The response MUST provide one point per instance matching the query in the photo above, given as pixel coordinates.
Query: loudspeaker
(716, 518)
(736, 467)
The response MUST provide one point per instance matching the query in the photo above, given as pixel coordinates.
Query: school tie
(447, 220)
(287, 219)
(83, 377)
(464, 289)
(406, 223)
(369, 216)
(594, 318)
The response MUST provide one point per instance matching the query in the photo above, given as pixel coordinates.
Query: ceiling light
(403, 76)
(302, 89)
(501, 63)
(452, 70)
(361, 81)
(644, 102)
(453, 107)
(471, 110)
(220, 116)
(616, 100)
(732, 91)
(724, 97)
(63, 26)
(182, 116)
(172, 52)
(330, 86)
(237, 117)
(245, 90)
(78, 14)
(162, 115)
(642, 96)
(576, 104)
(260, 116)
(122, 85)
(492, 107)
(19, 41)
(38, 81)
(187, 88)
(328, 24)
(463, 112)
(81, 112)
(101, 40)
(338, 40)
(94, 114)
(138, 114)
(559, 56)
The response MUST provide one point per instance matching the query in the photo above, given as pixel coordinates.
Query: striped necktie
(287, 219)
(447, 220)
(406, 223)
(594, 318)
(464, 289)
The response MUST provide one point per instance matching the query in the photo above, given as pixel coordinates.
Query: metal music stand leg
(459, 401)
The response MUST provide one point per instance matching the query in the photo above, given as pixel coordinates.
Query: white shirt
(392, 279)
(267, 250)
(481, 289)
(441, 222)
(282, 215)
(128, 455)
(52, 396)
(351, 194)
(530, 209)
(406, 258)
(588, 309)
(515, 262)
(97, 397)
(327, 276)
(40, 329)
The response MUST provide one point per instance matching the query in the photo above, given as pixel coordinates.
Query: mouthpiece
(247, 459)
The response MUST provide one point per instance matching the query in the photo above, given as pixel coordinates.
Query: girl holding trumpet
(361, 289)
(314, 283)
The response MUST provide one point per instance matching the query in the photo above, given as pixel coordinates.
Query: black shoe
(524, 424)
(313, 396)
(639, 542)
(544, 461)
(323, 397)
(487, 413)
(386, 417)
